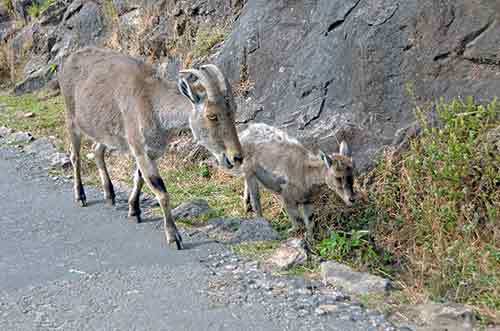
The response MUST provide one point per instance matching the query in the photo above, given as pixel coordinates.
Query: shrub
(435, 209)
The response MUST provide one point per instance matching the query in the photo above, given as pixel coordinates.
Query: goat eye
(212, 117)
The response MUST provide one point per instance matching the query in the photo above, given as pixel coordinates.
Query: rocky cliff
(325, 70)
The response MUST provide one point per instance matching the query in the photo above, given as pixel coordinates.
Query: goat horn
(205, 81)
(222, 81)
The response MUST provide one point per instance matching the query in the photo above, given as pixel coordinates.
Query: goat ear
(325, 158)
(191, 87)
(344, 149)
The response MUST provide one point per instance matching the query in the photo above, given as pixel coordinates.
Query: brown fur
(282, 165)
(118, 102)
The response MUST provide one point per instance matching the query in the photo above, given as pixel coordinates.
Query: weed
(205, 40)
(53, 69)
(34, 10)
(9, 5)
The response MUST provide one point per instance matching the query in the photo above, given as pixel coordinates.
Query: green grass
(258, 250)
(432, 212)
(48, 119)
(36, 9)
(205, 40)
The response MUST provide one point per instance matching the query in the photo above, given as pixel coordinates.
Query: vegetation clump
(205, 40)
(432, 212)
(37, 8)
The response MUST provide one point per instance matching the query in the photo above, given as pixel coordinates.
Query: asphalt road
(63, 267)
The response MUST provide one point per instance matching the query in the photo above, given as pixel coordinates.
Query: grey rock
(329, 70)
(35, 81)
(4, 131)
(53, 14)
(191, 209)
(446, 316)
(59, 160)
(291, 253)
(42, 147)
(361, 283)
(236, 230)
(20, 137)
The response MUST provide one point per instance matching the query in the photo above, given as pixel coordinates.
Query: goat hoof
(178, 242)
(110, 202)
(135, 218)
(177, 239)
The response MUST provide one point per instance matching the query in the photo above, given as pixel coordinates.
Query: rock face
(62, 28)
(324, 70)
(329, 70)
(360, 283)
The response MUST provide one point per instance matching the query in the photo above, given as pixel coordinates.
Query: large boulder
(329, 70)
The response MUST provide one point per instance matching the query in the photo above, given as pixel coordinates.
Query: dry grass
(433, 212)
(5, 70)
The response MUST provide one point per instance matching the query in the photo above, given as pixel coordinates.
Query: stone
(29, 115)
(41, 147)
(20, 137)
(4, 131)
(59, 160)
(35, 81)
(448, 316)
(236, 230)
(191, 209)
(360, 283)
(291, 253)
(325, 309)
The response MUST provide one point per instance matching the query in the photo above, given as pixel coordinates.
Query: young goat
(282, 165)
(118, 102)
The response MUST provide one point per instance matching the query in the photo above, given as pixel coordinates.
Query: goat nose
(238, 158)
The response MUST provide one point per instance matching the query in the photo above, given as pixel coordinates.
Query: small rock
(59, 160)
(235, 230)
(325, 309)
(20, 137)
(291, 253)
(448, 316)
(4, 131)
(42, 147)
(191, 209)
(29, 115)
(338, 274)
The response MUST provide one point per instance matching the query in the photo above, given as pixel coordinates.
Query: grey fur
(284, 166)
(118, 102)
